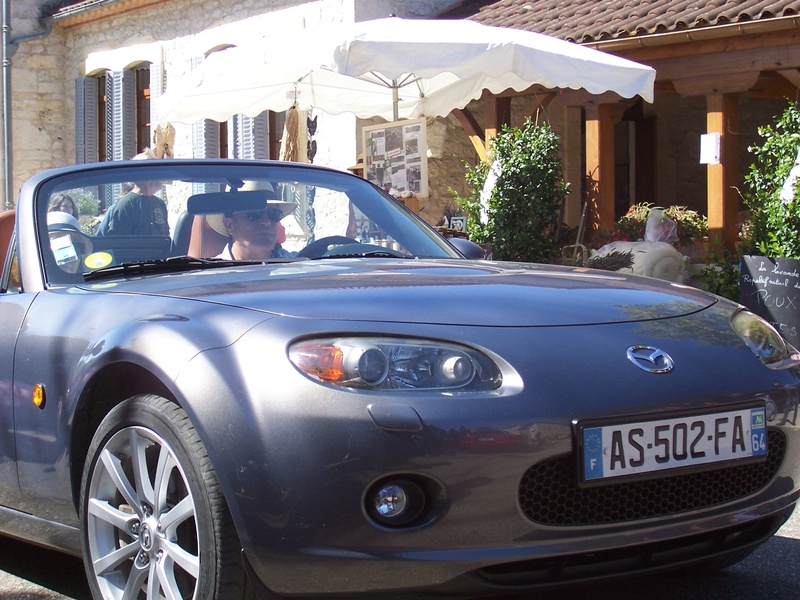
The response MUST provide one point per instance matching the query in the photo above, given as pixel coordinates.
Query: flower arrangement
(692, 226)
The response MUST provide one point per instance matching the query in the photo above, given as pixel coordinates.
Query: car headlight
(764, 340)
(379, 363)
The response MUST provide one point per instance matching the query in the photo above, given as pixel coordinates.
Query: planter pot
(770, 287)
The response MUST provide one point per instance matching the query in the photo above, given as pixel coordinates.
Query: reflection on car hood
(429, 291)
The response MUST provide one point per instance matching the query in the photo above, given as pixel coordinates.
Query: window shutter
(205, 139)
(109, 141)
(123, 115)
(157, 86)
(261, 136)
(205, 144)
(86, 103)
(251, 136)
(205, 133)
(242, 136)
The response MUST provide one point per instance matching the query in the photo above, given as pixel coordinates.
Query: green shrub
(773, 225)
(523, 213)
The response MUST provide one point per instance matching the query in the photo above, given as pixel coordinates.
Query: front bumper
(299, 461)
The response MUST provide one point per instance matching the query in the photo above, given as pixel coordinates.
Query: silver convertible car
(362, 408)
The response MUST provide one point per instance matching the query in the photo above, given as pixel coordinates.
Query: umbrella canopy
(392, 68)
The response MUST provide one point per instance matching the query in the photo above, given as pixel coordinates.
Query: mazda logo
(650, 359)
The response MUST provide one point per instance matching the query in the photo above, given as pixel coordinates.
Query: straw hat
(215, 220)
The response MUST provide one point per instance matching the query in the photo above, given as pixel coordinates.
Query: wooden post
(497, 112)
(722, 117)
(600, 165)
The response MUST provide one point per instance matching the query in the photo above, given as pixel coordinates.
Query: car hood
(428, 292)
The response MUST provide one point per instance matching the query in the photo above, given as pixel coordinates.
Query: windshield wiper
(367, 254)
(176, 264)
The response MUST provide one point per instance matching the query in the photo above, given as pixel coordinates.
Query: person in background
(138, 212)
(64, 203)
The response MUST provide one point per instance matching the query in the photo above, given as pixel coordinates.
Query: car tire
(151, 506)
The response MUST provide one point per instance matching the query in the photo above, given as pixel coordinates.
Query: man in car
(255, 234)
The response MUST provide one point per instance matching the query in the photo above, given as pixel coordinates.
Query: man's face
(254, 233)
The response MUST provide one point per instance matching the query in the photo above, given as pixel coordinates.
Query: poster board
(770, 287)
(396, 156)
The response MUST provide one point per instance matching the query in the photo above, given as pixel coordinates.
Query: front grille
(549, 493)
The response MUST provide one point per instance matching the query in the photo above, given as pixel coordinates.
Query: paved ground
(772, 572)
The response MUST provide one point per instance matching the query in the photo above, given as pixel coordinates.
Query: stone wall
(41, 123)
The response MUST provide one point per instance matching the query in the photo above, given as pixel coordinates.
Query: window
(239, 137)
(113, 113)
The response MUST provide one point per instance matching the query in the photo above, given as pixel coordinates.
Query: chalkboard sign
(770, 287)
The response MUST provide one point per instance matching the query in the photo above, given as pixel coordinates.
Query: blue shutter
(157, 86)
(205, 133)
(205, 144)
(242, 136)
(123, 115)
(110, 102)
(86, 102)
(205, 139)
(261, 136)
(250, 136)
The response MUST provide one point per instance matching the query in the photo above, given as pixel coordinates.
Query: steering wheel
(319, 247)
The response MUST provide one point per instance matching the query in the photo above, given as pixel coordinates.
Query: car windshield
(148, 216)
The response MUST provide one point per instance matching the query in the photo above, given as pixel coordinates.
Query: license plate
(634, 448)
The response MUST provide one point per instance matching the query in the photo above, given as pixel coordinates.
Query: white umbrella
(392, 68)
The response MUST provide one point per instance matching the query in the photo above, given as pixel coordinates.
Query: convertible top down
(362, 409)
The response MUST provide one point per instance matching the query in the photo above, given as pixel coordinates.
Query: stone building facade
(51, 55)
(54, 45)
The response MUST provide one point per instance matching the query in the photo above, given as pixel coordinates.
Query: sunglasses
(273, 214)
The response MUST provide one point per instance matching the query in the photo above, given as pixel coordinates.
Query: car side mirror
(469, 249)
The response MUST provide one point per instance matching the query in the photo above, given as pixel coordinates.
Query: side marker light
(38, 395)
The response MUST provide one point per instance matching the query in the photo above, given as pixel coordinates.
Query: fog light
(395, 503)
(391, 501)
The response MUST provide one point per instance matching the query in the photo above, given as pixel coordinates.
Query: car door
(14, 304)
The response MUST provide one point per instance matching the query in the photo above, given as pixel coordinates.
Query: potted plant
(692, 228)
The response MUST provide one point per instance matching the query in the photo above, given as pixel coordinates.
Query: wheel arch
(107, 388)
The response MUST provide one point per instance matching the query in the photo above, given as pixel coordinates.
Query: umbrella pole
(395, 101)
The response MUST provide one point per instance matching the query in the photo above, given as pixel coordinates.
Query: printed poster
(395, 156)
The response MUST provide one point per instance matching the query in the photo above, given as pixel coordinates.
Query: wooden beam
(497, 112)
(538, 102)
(791, 75)
(734, 60)
(723, 84)
(600, 165)
(691, 48)
(722, 117)
(583, 98)
(473, 130)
